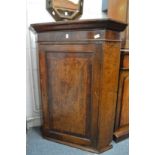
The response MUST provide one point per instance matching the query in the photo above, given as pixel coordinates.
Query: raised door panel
(69, 90)
(71, 104)
(122, 110)
(124, 114)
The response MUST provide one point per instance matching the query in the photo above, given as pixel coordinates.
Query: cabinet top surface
(102, 24)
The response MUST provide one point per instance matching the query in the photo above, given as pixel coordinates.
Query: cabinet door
(123, 98)
(69, 77)
(122, 110)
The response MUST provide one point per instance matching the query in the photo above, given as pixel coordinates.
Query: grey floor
(36, 145)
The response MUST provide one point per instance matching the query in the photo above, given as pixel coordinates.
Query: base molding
(84, 148)
(121, 134)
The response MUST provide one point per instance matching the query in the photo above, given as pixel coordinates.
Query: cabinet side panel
(108, 91)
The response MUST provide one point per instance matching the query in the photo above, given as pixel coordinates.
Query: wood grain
(69, 87)
(122, 109)
(119, 10)
(102, 24)
(79, 82)
(109, 74)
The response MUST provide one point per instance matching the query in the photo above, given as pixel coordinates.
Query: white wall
(36, 13)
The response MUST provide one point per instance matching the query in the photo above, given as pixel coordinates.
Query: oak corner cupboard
(79, 67)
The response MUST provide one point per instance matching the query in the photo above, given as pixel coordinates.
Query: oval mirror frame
(64, 9)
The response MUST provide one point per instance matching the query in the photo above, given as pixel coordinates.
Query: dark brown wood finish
(122, 111)
(70, 71)
(79, 81)
(108, 94)
(82, 25)
(119, 10)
